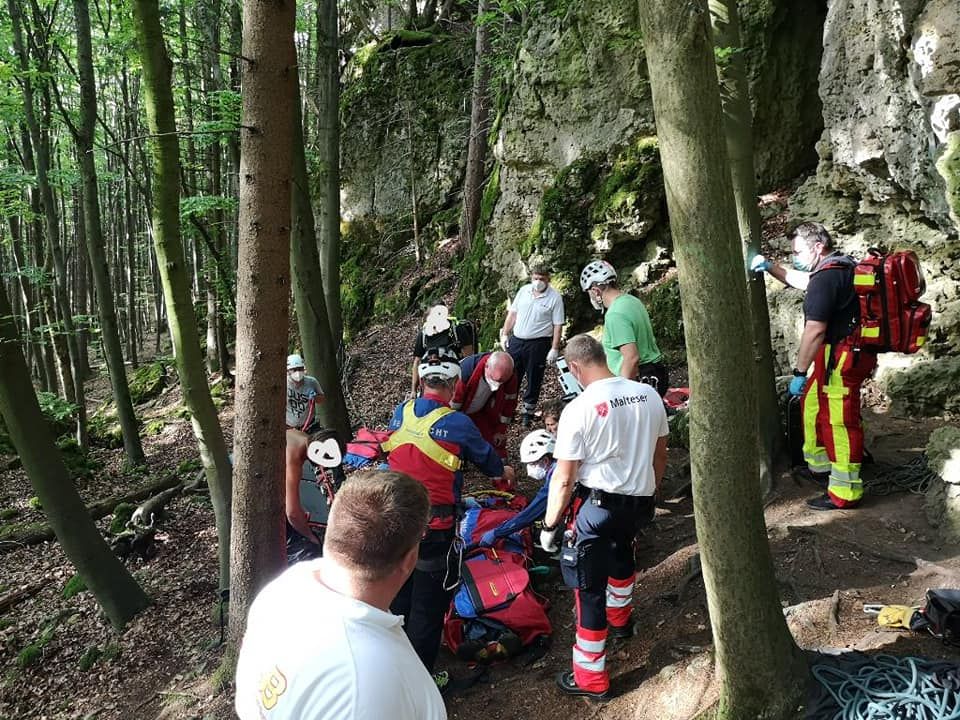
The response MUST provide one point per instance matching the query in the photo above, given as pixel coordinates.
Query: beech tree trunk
(477, 143)
(761, 671)
(318, 347)
(328, 161)
(111, 583)
(263, 291)
(113, 352)
(738, 130)
(165, 211)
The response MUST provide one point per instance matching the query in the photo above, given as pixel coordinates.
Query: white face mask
(536, 471)
(492, 384)
(297, 376)
(596, 299)
(539, 285)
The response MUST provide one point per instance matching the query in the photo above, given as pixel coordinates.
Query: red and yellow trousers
(832, 426)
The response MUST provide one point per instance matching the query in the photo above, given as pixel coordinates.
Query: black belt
(602, 498)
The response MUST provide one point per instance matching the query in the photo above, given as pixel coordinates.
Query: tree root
(861, 547)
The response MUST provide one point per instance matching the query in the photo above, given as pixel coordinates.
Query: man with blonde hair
(321, 641)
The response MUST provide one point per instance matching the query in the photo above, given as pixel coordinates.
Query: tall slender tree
(110, 336)
(269, 89)
(738, 130)
(111, 583)
(165, 169)
(761, 671)
(479, 115)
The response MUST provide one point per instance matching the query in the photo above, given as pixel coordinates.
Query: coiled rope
(915, 477)
(883, 687)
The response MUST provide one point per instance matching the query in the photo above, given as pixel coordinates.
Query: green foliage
(680, 430)
(111, 651)
(121, 516)
(948, 166)
(9, 513)
(74, 586)
(148, 381)
(34, 503)
(58, 412)
(89, 658)
(103, 427)
(663, 305)
(78, 463)
(154, 427)
(189, 466)
(32, 653)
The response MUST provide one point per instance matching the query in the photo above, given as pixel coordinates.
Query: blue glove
(760, 264)
(487, 539)
(797, 383)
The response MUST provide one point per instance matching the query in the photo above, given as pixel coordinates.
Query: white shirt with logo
(536, 316)
(310, 653)
(612, 428)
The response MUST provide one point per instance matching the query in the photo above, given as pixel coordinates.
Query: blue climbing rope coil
(854, 686)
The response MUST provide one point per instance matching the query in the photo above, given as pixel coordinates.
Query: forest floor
(828, 565)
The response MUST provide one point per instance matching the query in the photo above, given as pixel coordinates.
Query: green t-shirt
(627, 321)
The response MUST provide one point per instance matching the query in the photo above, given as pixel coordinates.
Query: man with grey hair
(320, 640)
(612, 447)
(487, 393)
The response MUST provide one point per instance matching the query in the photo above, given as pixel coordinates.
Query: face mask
(297, 376)
(596, 299)
(536, 471)
(804, 263)
(539, 285)
(493, 384)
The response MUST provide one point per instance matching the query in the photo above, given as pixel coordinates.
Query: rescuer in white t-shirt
(320, 640)
(612, 445)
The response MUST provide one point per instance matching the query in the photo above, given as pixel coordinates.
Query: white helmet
(294, 361)
(535, 445)
(439, 363)
(597, 272)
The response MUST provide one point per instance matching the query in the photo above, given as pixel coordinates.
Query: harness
(415, 431)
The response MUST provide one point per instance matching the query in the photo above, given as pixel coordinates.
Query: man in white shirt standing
(612, 447)
(536, 320)
(321, 642)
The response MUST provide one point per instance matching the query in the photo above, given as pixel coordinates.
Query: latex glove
(552, 357)
(509, 476)
(548, 540)
(760, 264)
(797, 383)
(504, 340)
(487, 539)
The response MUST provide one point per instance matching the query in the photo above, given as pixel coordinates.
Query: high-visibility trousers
(832, 426)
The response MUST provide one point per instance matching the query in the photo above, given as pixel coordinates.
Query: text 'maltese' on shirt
(612, 428)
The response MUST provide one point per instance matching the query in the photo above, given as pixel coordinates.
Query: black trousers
(655, 374)
(530, 360)
(423, 602)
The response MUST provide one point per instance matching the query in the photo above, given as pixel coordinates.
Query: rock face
(942, 503)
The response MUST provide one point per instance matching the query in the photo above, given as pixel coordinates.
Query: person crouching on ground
(320, 640)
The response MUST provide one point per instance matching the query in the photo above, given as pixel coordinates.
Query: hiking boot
(442, 679)
(569, 686)
(825, 503)
(620, 632)
(818, 479)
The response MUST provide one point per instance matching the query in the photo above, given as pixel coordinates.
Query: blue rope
(884, 687)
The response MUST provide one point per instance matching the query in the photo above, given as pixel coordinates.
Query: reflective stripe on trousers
(832, 426)
(619, 600)
(590, 656)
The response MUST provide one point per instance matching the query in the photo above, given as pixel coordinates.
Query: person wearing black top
(439, 330)
(832, 426)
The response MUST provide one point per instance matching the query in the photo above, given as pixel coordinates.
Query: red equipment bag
(892, 318)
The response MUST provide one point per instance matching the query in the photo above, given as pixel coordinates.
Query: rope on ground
(883, 687)
(914, 477)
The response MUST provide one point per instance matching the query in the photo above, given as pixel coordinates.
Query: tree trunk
(113, 352)
(738, 129)
(165, 152)
(761, 670)
(318, 350)
(263, 291)
(477, 143)
(328, 162)
(111, 583)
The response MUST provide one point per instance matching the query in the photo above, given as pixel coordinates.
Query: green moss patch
(74, 586)
(148, 381)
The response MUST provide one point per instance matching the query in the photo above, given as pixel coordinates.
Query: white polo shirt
(612, 428)
(536, 316)
(310, 653)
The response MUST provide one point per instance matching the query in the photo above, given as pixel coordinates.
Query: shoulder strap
(415, 431)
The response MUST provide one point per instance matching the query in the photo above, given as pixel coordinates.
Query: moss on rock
(927, 388)
(148, 381)
(948, 166)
